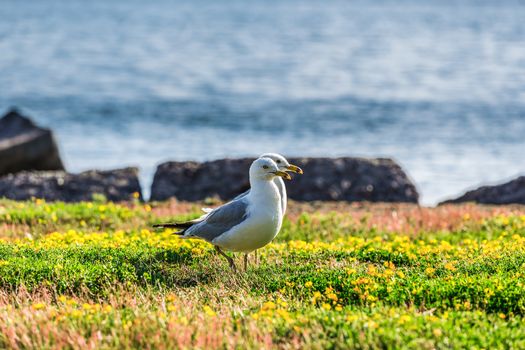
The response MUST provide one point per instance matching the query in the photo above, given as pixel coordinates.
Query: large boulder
(512, 192)
(116, 185)
(352, 179)
(333, 179)
(25, 146)
(193, 181)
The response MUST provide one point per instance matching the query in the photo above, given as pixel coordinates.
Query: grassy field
(95, 276)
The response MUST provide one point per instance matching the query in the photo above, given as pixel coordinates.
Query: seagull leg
(245, 262)
(230, 260)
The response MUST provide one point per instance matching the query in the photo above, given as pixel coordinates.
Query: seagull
(245, 224)
(283, 165)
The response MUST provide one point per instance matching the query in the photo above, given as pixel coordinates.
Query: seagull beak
(282, 174)
(295, 169)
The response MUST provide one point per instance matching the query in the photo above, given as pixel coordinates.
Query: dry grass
(389, 217)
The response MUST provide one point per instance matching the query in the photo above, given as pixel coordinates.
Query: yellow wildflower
(371, 298)
(404, 319)
(209, 311)
(449, 266)
(76, 313)
(282, 303)
(269, 305)
(332, 296)
(351, 318)
(283, 313)
(38, 306)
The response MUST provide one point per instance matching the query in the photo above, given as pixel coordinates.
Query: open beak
(282, 174)
(295, 169)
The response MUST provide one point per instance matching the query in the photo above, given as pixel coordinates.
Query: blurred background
(437, 85)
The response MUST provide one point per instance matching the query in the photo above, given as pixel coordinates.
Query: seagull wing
(219, 220)
(215, 221)
(209, 210)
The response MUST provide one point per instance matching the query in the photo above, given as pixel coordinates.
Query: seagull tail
(183, 226)
(173, 225)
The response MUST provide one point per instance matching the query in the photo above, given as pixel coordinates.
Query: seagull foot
(232, 265)
(229, 258)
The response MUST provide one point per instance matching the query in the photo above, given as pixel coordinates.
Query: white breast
(261, 226)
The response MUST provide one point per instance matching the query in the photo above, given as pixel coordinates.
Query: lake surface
(437, 85)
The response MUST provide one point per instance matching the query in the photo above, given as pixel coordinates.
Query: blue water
(438, 85)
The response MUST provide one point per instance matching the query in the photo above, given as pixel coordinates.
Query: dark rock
(512, 192)
(335, 179)
(351, 179)
(25, 146)
(116, 185)
(192, 181)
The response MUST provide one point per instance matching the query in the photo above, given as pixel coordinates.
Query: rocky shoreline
(114, 185)
(329, 179)
(30, 167)
(511, 192)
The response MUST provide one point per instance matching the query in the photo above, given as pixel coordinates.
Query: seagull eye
(278, 162)
(265, 166)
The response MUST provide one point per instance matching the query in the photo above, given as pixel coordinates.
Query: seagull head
(266, 169)
(282, 163)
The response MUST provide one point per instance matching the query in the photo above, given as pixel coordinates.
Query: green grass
(95, 275)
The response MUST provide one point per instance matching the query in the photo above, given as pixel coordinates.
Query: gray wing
(220, 220)
(242, 195)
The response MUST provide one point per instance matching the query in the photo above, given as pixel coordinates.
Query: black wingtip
(171, 226)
